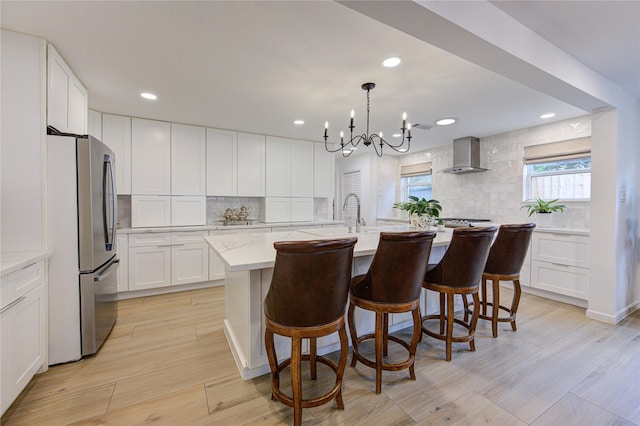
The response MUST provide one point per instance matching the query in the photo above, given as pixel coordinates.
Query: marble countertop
(11, 261)
(220, 227)
(246, 251)
(574, 231)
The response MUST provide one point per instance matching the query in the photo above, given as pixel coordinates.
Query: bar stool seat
(458, 272)
(504, 263)
(392, 285)
(306, 300)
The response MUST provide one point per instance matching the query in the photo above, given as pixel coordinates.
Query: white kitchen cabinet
(23, 330)
(67, 99)
(150, 210)
(278, 167)
(189, 258)
(323, 172)
(188, 211)
(116, 134)
(149, 261)
(94, 124)
(301, 209)
(222, 163)
(188, 160)
(560, 263)
(302, 162)
(150, 157)
(251, 165)
(123, 254)
(277, 209)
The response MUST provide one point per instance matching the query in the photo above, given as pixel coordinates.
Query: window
(416, 180)
(558, 170)
(350, 184)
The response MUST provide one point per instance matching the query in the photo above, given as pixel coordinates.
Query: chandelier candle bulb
(404, 120)
(341, 137)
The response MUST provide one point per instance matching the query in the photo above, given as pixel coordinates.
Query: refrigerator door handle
(110, 270)
(109, 220)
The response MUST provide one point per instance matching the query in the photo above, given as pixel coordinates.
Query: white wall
(21, 151)
(497, 193)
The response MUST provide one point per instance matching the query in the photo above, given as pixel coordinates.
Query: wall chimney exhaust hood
(466, 156)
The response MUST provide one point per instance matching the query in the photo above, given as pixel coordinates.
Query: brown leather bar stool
(458, 272)
(307, 299)
(392, 285)
(504, 264)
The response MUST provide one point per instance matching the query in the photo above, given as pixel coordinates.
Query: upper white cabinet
(67, 100)
(289, 166)
(150, 157)
(302, 169)
(188, 160)
(251, 165)
(94, 124)
(116, 134)
(323, 172)
(188, 210)
(222, 163)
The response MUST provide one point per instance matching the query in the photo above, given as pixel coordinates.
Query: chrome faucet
(344, 207)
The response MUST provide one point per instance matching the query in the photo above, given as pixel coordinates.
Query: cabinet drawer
(561, 279)
(19, 283)
(561, 248)
(147, 240)
(187, 237)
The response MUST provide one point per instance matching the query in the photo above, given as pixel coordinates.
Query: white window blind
(557, 151)
(350, 183)
(415, 170)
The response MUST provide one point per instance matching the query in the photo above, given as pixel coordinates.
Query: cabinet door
(150, 210)
(251, 165)
(561, 279)
(78, 104)
(116, 134)
(222, 163)
(150, 157)
(58, 83)
(278, 167)
(23, 344)
(323, 172)
(188, 211)
(189, 263)
(149, 267)
(94, 124)
(302, 169)
(216, 266)
(123, 270)
(188, 160)
(301, 209)
(277, 209)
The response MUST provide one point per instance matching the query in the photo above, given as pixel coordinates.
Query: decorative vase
(421, 222)
(544, 220)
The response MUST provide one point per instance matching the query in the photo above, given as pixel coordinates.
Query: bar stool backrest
(310, 283)
(463, 263)
(398, 267)
(509, 249)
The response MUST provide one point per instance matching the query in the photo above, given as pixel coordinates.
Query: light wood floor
(167, 362)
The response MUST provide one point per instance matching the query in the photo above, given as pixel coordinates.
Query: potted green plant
(422, 212)
(441, 225)
(543, 210)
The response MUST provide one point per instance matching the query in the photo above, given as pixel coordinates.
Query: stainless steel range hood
(466, 156)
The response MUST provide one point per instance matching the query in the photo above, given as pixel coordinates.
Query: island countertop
(244, 251)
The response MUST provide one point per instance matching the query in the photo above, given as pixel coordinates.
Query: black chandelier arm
(377, 140)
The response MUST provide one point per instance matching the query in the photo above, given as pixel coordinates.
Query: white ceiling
(257, 66)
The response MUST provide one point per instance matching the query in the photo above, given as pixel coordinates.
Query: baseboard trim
(615, 318)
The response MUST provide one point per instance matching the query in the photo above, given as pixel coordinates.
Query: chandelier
(368, 139)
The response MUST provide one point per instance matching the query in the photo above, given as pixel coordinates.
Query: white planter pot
(544, 220)
(422, 222)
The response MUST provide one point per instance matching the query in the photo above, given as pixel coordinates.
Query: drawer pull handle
(29, 265)
(560, 264)
(12, 304)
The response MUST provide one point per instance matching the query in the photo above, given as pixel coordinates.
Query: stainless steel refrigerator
(81, 215)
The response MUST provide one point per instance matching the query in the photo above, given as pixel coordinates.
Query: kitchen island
(249, 259)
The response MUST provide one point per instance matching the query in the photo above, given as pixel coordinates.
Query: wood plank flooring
(167, 362)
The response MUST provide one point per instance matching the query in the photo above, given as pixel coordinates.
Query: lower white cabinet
(165, 259)
(123, 254)
(559, 263)
(23, 330)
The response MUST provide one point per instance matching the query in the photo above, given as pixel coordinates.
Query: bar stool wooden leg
(450, 312)
(417, 333)
(342, 363)
(379, 349)
(495, 307)
(273, 361)
(474, 322)
(442, 311)
(352, 332)
(385, 334)
(516, 301)
(312, 358)
(483, 289)
(296, 379)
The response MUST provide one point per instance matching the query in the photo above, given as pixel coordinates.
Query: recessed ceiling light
(391, 62)
(149, 96)
(549, 115)
(298, 122)
(446, 121)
